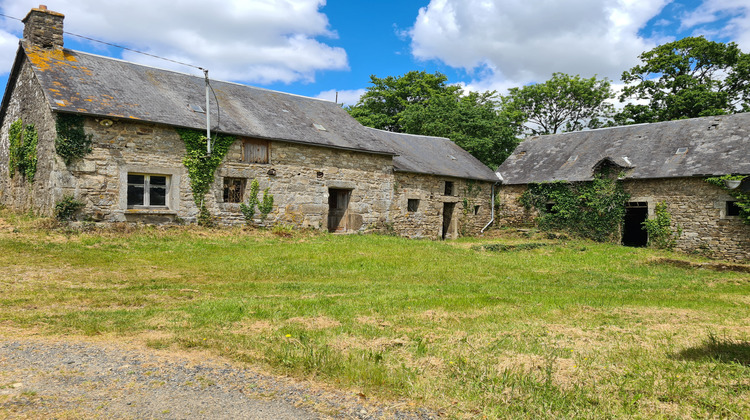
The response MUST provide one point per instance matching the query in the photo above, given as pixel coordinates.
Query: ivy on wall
(742, 197)
(594, 209)
(660, 232)
(201, 167)
(71, 142)
(265, 205)
(22, 155)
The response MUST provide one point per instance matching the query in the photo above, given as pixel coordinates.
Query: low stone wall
(697, 207)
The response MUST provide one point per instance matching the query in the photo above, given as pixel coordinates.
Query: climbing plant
(72, 142)
(22, 150)
(593, 209)
(742, 197)
(202, 167)
(660, 232)
(265, 205)
(15, 134)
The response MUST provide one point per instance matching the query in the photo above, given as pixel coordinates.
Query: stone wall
(27, 102)
(470, 200)
(697, 207)
(298, 176)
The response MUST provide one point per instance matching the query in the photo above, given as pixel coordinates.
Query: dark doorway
(338, 202)
(447, 218)
(633, 232)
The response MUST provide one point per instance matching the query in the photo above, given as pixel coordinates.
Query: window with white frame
(148, 190)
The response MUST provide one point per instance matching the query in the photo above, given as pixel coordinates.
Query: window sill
(150, 211)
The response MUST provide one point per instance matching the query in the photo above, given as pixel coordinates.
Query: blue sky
(315, 48)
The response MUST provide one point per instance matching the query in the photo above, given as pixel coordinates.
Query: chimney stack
(43, 28)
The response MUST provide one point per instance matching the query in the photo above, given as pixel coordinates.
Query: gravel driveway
(55, 378)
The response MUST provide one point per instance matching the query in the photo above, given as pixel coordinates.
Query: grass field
(558, 328)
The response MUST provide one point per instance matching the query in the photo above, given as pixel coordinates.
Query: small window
(732, 208)
(476, 210)
(412, 205)
(448, 188)
(255, 151)
(145, 190)
(550, 208)
(234, 190)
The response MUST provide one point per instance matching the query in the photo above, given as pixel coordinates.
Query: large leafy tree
(562, 103)
(689, 78)
(425, 104)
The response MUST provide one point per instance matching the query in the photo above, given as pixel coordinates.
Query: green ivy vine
(742, 197)
(593, 209)
(22, 150)
(265, 205)
(660, 232)
(201, 167)
(72, 142)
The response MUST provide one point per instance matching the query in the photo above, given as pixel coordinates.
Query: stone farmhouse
(662, 162)
(324, 169)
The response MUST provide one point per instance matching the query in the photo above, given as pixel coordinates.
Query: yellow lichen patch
(81, 109)
(43, 59)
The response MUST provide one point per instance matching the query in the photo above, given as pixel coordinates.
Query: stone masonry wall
(27, 102)
(298, 176)
(427, 220)
(697, 207)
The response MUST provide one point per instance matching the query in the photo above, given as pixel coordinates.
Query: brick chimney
(43, 28)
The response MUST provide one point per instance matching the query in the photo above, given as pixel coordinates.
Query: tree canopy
(562, 103)
(689, 78)
(425, 104)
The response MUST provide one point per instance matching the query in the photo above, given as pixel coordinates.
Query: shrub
(660, 233)
(66, 208)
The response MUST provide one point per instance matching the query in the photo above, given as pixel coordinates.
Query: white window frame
(147, 191)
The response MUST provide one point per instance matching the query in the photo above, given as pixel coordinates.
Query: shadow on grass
(723, 350)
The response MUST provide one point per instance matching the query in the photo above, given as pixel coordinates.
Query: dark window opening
(147, 190)
(412, 205)
(255, 151)
(448, 188)
(732, 208)
(234, 190)
(550, 208)
(476, 210)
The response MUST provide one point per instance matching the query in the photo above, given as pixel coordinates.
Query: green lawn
(565, 329)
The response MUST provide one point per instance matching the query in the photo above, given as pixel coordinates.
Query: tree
(425, 104)
(381, 106)
(563, 103)
(689, 78)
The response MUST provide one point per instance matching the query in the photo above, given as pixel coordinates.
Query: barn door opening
(338, 203)
(633, 232)
(447, 219)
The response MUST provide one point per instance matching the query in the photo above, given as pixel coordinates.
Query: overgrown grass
(554, 328)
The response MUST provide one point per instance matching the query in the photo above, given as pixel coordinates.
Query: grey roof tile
(683, 148)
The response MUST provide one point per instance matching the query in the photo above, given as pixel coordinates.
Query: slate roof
(682, 148)
(434, 156)
(88, 84)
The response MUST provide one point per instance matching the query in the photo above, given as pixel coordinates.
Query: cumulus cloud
(345, 97)
(258, 41)
(736, 12)
(514, 42)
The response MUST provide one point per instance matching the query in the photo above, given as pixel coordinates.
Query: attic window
(573, 158)
(452, 157)
(319, 127)
(681, 151)
(196, 108)
(521, 153)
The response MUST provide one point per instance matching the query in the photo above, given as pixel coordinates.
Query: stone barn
(661, 162)
(324, 169)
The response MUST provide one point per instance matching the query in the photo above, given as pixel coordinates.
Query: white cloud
(737, 27)
(515, 42)
(259, 41)
(345, 97)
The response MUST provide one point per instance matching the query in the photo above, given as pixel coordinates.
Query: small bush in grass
(66, 208)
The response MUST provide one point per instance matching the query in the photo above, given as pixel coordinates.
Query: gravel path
(45, 378)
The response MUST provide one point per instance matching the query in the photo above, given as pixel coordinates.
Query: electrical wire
(218, 108)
